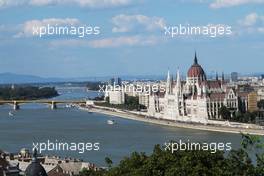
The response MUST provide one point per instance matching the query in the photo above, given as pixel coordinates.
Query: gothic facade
(197, 99)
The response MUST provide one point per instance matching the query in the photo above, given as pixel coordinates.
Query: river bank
(196, 126)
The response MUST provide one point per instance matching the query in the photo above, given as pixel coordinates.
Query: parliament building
(197, 99)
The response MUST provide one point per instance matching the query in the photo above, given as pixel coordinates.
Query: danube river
(38, 123)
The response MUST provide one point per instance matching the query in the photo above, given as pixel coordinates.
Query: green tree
(91, 172)
(225, 113)
(26, 92)
(108, 161)
(261, 104)
(192, 162)
(251, 143)
(107, 100)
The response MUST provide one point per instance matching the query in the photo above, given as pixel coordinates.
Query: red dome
(196, 70)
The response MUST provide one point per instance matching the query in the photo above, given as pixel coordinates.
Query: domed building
(196, 71)
(186, 101)
(196, 78)
(35, 168)
(196, 99)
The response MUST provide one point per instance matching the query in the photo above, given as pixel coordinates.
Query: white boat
(10, 114)
(110, 122)
(69, 106)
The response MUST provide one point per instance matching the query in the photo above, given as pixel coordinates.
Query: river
(38, 123)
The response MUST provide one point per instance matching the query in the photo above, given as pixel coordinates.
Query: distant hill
(11, 78)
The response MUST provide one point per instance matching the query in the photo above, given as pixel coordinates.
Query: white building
(143, 99)
(260, 93)
(196, 99)
(116, 97)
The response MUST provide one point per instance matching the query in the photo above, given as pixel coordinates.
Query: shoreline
(132, 116)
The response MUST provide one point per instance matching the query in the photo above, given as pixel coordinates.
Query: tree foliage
(95, 86)
(193, 163)
(27, 92)
(261, 104)
(225, 113)
(238, 116)
(131, 103)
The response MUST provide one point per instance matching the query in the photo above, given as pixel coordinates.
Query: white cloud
(5, 3)
(230, 3)
(252, 23)
(261, 30)
(108, 42)
(83, 3)
(28, 27)
(127, 23)
(249, 20)
(124, 41)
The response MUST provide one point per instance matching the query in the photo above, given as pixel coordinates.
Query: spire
(195, 58)
(204, 90)
(193, 89)
(168, 76)
(223, 76)
(178, 78)
(178, 83)
(35, 154)
(216, 76)
(168, 84)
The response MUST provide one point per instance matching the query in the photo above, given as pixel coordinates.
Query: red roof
(196, 70)
(214, 84)
(217, 96)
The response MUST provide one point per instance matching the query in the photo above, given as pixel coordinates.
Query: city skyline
(132, 40)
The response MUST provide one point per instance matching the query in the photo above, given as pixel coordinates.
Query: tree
(131, 103)
(107, 100)
(238, 116)
(86, 172)
(251, 143)
(192, 162)
(225, 113)
(261, 104)
(108, 161)
(27, 92)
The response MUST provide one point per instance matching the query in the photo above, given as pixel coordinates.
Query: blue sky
(132, 40)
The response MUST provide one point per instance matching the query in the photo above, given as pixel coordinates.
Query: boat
(110, 122)
(69, 106)
(10, 114)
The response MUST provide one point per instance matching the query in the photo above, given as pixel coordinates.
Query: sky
(132, 38)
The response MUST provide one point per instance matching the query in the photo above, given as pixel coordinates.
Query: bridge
(53, 103)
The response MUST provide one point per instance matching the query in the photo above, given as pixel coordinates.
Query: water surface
(37, 123)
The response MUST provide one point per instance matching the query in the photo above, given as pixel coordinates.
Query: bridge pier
(53, 105)
(16, 106)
